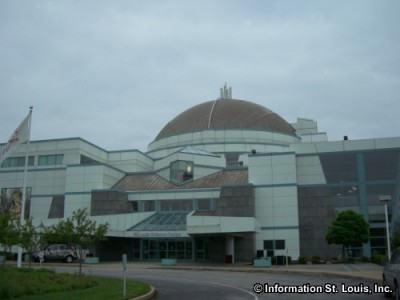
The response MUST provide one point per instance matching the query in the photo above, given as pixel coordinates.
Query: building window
(232, 159)
(88, 161)
(149, 205)
(19, 161)
(181, 171)
(280, 244)
(49, 160)
(274, 245)
(204, 204)
(135, 205)
(339, 168)
(268, 244)
(111, 202)
(176, 205)
(57, 207)
(381, 165)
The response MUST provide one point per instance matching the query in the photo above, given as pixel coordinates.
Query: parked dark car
(391, 275)
(61, 252)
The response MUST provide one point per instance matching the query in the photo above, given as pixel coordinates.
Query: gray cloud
(115, 72)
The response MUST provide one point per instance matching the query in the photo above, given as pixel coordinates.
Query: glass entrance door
(154, 249)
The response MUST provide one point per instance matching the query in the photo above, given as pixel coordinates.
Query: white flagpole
(22, 216)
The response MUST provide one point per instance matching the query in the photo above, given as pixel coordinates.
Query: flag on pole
(19, 136)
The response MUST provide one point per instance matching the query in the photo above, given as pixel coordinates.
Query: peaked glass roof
(163, 221)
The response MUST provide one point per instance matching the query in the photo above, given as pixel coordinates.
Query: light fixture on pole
(385, 200)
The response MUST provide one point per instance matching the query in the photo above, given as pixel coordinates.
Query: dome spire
(225, 92)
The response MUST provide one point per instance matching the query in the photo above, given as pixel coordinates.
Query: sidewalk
(360, 271)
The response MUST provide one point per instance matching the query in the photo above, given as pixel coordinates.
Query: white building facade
(226, 180)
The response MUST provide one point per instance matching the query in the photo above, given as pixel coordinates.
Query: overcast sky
(115, 72)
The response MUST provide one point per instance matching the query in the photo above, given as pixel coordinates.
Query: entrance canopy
(163, 221)
(217, 224)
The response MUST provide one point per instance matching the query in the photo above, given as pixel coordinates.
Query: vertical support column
(193, 249)
(387, 232)
(363, 197)
(229, 249)
(395, 203)
(141, 249)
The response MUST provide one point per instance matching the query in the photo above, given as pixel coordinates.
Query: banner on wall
(11, 202)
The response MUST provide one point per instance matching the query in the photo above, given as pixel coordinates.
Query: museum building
(224, 181)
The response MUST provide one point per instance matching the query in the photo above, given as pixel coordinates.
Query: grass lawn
(45, 284)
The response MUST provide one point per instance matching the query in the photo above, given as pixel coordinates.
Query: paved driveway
(200, 281)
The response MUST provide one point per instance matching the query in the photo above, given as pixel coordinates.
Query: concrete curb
(149, 295)
(371, 276)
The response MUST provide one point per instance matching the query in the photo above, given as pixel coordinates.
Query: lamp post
(385, 200)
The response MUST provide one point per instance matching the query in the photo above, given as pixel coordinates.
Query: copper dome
(226, 114)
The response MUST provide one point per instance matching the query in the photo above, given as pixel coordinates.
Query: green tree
(348, 229)
(29, 237)
(79, 230)
(395, 240)
(8, 233)
(59, 233)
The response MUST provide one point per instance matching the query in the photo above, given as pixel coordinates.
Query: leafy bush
(316, 259)
(378, 258)
(302, 260)
(8, 256)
